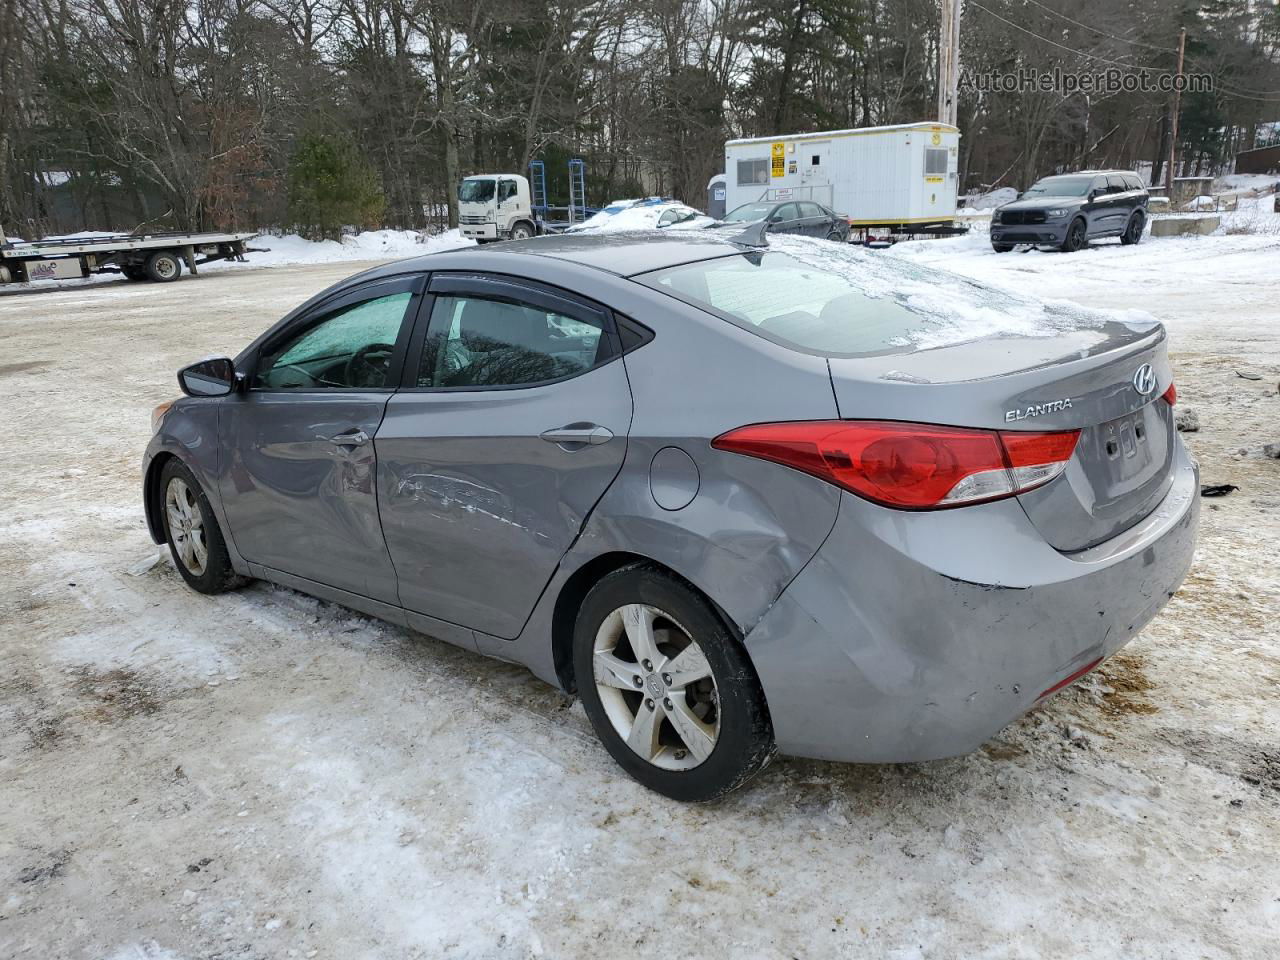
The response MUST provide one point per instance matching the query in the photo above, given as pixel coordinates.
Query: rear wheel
(199, 551)
(1075, 237)
(134, 272)
(669, 690)
(163, 266)
(836, 236)
(1133, 232)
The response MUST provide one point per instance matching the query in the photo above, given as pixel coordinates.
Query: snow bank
(991, 199)
(370, 245)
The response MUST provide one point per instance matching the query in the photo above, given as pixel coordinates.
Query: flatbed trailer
(154, 256)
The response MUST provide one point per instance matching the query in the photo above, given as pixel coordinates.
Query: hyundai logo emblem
(1144, 379)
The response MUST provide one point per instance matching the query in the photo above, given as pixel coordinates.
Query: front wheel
(1133, 232)
(521, 231)
(1075, 237)
(669, 690)
(1002, 247)
(199, 551)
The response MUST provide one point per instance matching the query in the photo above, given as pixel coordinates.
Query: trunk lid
(1080, 377)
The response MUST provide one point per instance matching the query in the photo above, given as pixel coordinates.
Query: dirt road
(260, 775)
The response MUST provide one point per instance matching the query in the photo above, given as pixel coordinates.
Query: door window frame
(508, 289)
(413, 284)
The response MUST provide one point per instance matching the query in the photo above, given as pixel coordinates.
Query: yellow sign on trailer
(779, 159)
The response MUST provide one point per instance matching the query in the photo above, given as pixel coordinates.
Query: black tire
(1133, 230)
(1075, 239)
(744, 743)
(836, 236)
(164, 266)
(216, 575)
(1002, 247)
(521, 231)
(134, 273)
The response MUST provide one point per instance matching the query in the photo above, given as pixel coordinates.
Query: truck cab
(496, 207)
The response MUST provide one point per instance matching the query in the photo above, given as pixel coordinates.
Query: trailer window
(935, 162)
(751, 172)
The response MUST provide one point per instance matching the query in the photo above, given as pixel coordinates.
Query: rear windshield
(839, 300)
(796, 304)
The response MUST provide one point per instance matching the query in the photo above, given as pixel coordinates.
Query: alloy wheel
(186, 526)
(656, 687)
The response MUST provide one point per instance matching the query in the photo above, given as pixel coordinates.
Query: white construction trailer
(897, 179)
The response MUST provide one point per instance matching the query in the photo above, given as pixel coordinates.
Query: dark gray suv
(1068, 211)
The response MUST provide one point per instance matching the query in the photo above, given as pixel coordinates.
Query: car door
(785, 219)
(816, 221)
(1123, 201)
(1100, 209)
(511, 424)
(299, 484)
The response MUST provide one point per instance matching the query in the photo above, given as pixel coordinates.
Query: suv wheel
(1075, 237)
(1133, 232)
(1002, 247)
(669, 690)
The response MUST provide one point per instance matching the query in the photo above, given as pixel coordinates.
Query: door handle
(352, 438)
(578, 434)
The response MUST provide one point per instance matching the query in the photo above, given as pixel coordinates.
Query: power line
(1111, 36)
(1255, 95)
(1031, 33)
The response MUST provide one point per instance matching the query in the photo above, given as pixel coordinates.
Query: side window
(1100, 186)
(935, 161)
(811, 210)
(506, 190)
(668, 216)
(1133, 182)
(785, 212)
(351, 347)
(478, 342)
(1117, 184)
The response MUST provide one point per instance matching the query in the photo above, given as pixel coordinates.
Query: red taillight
(914, 466)
(1170, 395)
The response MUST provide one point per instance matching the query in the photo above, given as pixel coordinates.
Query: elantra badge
(1144, 380)
(1037, 410)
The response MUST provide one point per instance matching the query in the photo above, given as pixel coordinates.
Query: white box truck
(496, 207)
(900, 178)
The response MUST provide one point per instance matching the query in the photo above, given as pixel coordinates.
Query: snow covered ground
(261, 775)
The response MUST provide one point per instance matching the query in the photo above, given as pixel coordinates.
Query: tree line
(312, 114)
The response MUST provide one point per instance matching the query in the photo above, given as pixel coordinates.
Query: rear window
(793, 303)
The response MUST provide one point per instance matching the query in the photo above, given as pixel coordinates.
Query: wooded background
(313, 114)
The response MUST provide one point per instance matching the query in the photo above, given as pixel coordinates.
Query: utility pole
(1173, 120)
(948, 61)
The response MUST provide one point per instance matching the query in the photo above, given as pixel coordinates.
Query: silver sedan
(740, 498)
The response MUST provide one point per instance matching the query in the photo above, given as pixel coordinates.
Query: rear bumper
(915, 636)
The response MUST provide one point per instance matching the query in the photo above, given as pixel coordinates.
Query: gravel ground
(261, 775)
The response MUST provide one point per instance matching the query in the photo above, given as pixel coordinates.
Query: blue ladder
(577, 190)
(538, 188)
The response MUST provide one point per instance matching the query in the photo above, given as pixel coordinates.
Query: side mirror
(212, 377)
(1094, 195)
(1018, 197)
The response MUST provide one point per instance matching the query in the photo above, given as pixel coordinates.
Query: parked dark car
(794, 216)
(1069, 210)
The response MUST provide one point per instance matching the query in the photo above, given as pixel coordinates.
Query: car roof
(624, 253)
